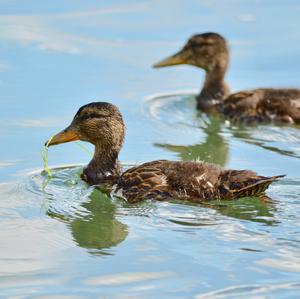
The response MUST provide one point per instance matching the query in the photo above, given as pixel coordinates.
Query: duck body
(210, 52)
(262, 106)
(101, 124)
(191, 181)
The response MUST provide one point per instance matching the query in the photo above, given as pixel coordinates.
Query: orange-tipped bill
(172, 60)
(64, 136)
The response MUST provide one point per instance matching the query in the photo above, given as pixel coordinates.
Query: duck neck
(214, 89)
(103, 168)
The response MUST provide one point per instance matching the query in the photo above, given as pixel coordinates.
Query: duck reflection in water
(251, 209)
(215, 149)
(99, 230)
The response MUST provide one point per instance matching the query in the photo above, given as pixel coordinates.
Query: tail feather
(255, 189)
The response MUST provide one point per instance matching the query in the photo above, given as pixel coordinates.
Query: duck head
(101, 124)
(206, 50)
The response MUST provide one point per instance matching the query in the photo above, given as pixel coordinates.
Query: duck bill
(67, 135)
(172, 60)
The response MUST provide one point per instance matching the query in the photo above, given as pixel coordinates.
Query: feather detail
(256, 189)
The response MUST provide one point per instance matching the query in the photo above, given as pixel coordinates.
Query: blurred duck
(102, 125)
(209, 51)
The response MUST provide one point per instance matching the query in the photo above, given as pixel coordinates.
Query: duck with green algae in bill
(101, 124)
(210, 52)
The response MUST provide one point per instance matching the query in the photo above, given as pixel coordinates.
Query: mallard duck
(102, 125)
(209, 51)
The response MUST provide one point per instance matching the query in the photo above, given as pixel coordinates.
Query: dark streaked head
(99, 123)
(202, 50)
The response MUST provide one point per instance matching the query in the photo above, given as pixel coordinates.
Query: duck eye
(84, 117)
(90, 116)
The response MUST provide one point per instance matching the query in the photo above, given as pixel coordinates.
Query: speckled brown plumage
(210, 52)
(263, 106)
(192, 181)
(102, 124)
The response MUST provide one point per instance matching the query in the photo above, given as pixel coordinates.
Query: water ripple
(249, 291)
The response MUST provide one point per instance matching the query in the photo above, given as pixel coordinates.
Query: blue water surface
(63, 239)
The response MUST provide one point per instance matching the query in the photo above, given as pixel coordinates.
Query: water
(60, 237)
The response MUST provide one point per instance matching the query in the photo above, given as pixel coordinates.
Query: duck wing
(242, 183)
(163, 180)
(144, 182)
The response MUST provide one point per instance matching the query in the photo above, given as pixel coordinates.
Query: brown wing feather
(255, 189)
(193, 181)
(144, 182)
(242, 183)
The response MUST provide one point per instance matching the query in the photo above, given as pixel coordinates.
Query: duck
(209, 51)
(101, 124)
